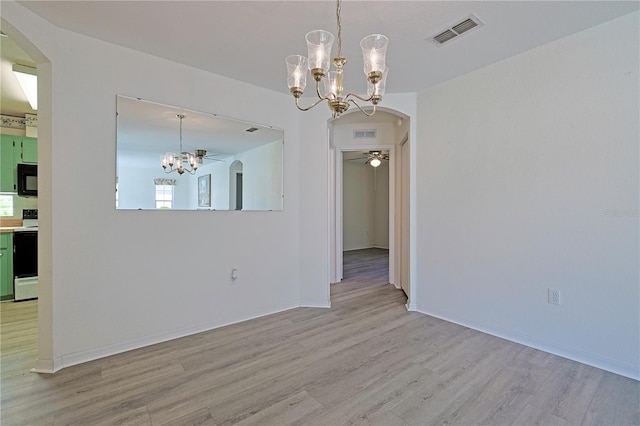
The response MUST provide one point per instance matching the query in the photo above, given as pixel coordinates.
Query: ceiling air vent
(445, 37)
(252, 129)
(364, 134)
(456, 30)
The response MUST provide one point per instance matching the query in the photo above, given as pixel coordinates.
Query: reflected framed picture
(204, 191)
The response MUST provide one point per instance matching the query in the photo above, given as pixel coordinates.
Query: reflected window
(6, 205)
(164, 196)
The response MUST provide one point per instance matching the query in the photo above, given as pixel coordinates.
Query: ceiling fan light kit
(375, 158)
(319, 44)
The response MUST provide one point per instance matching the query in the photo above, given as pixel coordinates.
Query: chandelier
(319, 43)
(170, 159)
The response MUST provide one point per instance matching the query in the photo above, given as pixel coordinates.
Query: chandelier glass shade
(317, 62)
(170, 159)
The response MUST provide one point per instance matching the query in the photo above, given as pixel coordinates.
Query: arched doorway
(389, 131)
(46, 361)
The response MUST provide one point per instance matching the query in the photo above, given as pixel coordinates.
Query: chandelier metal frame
(170, 159)
(319, 43)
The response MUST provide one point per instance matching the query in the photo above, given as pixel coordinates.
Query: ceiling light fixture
(375, 158)
(319, 43)
(169, 159)
(28, 79)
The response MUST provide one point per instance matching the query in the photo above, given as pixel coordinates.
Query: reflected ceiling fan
(201, 155)
(373, 158)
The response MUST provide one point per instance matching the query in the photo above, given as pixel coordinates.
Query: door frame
(336, 194)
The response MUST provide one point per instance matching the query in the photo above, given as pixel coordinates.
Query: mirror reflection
(172, 158)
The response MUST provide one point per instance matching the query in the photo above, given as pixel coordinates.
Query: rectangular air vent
(457, 29)
(364, 134)
(464, 26)
(445, 36)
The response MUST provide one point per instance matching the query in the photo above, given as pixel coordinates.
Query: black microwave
(27, 180)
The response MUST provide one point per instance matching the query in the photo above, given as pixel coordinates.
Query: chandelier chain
(180, 116)
(339, 20)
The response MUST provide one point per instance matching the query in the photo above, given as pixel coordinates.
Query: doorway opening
(42, 308)
(235, 185)
(365, 216)
(391, 132)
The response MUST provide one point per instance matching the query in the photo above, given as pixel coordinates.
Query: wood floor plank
(450, 398)
(364, 361)
(288, 411)
(568, 390)
(534, 416)
(134, 416)
(616, 401)
(201, 417)
(372, 403)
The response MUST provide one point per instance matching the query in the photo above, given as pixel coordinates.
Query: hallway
(371, 265)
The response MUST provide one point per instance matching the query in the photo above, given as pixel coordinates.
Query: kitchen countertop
(9, 225)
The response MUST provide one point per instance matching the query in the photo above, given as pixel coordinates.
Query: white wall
(521, 165)
(219, 172)
(381, 205)
(358, 206)
(365, 206)
(137, 189)
(261, 177)
(105, 284)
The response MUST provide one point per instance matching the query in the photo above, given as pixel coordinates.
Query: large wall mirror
(238, 164)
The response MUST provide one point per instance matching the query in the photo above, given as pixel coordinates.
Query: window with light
(164, 196)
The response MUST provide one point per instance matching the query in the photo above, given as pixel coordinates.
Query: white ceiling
(148, 129)
(248, 40)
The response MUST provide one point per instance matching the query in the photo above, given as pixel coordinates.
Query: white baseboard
(89, 355)
(315, 303)
(365, 248)
(411, 307)
(614, 366)
(46, 366)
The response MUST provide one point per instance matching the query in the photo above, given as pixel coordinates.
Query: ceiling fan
(373, 158)
(201, 155)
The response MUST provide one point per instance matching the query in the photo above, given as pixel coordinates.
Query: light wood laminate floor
(364, 361)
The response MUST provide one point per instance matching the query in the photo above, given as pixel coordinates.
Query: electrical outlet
(553, 296)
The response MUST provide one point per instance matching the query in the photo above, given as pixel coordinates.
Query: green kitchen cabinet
(26, 150)
(7, 164)
(6, 265)
(14, 150)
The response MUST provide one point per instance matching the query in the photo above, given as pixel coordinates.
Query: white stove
(25, 257)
